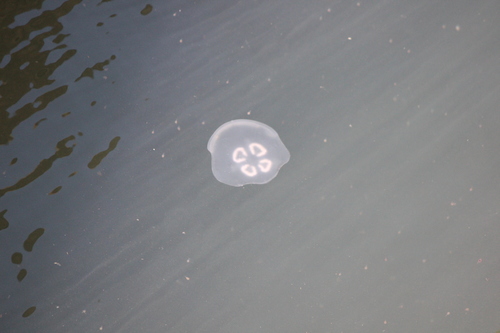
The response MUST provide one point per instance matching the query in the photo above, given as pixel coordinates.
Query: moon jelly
(246, 152)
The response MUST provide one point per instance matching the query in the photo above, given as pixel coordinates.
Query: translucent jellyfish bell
(246, 152)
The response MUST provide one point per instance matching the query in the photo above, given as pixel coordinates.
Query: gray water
(385, 219)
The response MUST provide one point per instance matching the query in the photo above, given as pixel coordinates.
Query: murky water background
(386, 218)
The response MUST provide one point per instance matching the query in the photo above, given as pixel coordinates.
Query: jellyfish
(246, 152)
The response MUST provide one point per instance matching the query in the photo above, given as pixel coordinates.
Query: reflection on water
(25, 71)
(61, 151)
(33, 47)
(100, 66)
(17, 257)
(25, 68)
